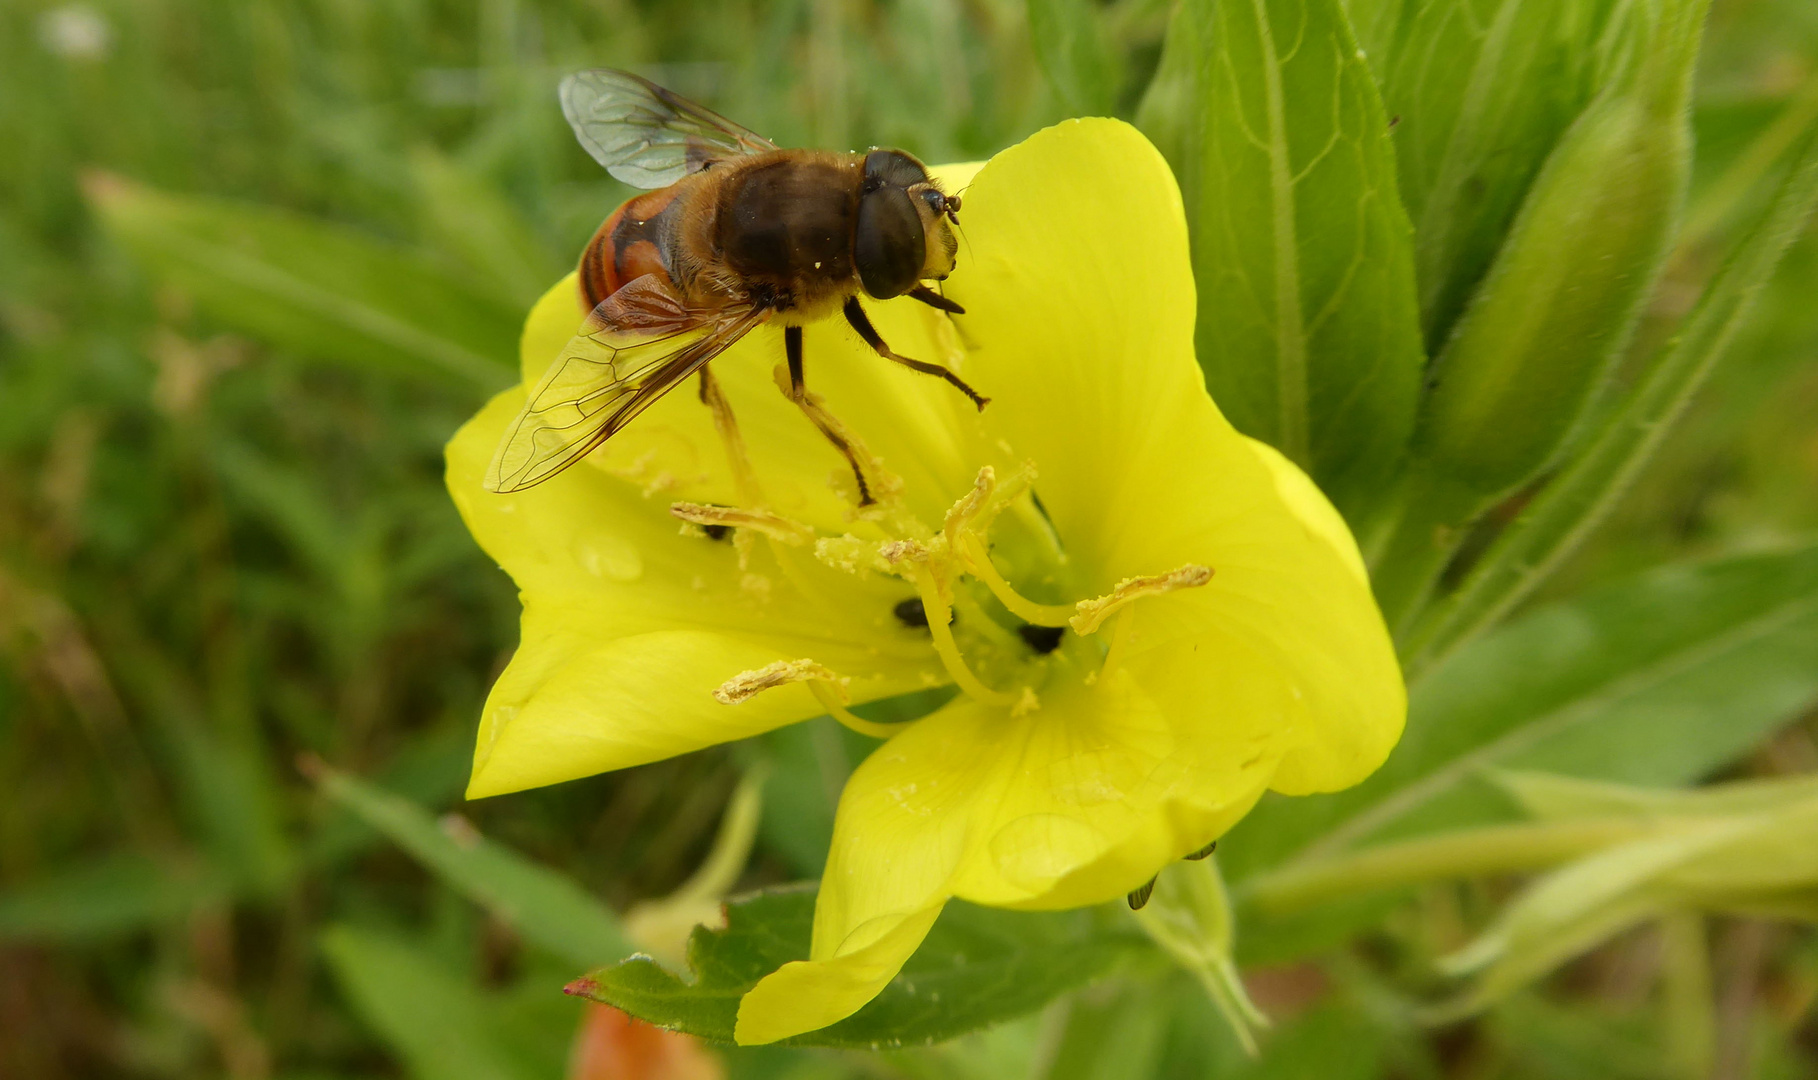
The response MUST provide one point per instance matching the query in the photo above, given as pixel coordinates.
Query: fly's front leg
(811, 405)
(860, 322)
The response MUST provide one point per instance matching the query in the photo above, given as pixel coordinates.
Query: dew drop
(610, 558)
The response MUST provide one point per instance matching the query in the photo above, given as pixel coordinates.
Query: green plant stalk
(1491, 849)
(1690, 1028)
(1582, 496)
(1710, 210)
(1559, 304)
(1189, 918)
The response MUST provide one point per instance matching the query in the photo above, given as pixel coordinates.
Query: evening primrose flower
(1150, 619)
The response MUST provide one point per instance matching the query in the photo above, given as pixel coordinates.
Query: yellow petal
(1080, 295)
(1080, 303)
(810, 994)
(1076, 803)
(630, 625)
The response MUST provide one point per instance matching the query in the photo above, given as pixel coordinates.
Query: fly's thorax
(786, 219)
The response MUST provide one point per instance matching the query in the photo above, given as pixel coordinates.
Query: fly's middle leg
(811, 405)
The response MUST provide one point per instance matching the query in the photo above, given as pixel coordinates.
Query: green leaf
(1582, 496)
(319, 289)
(1657, 679)
(1483, 90)
(434, 1019)
(1076, 54)
(111, 894)
(1552, 797)
(547, 908)
(979, 966)
(1379, 26)
(1308, 326)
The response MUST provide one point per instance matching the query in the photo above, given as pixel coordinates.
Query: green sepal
(1564, 294)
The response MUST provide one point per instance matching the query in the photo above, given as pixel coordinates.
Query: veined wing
(630, 352)
(645, 135)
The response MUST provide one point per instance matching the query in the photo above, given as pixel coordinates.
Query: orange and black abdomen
(639, 238)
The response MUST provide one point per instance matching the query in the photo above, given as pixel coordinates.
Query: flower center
(996, 644)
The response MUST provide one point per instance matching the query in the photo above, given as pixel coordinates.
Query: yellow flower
(1219, 638)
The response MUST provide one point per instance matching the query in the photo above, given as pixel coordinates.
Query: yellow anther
(748, 684)
(760, 521)
(976, 509)
(1092, 613)
(969, 505)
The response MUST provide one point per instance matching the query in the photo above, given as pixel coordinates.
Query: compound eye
(892, 168)
(888, 246)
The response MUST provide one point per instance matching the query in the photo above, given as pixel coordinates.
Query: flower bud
(1570, 282)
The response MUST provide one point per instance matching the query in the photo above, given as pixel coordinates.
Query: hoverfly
(736, 232)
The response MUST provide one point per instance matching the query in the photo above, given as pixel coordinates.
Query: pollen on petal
(748, 684)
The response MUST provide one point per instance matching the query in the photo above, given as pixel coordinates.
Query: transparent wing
(645, 135)
(607, 374)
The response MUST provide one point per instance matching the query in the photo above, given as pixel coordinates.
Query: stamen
(939, 619)
(976, 509)
(978, 560)
(1093, 613)
(748, 684)
(761, 521)
(744, 477)
(824, 693)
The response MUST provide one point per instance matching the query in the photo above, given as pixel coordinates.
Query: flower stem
(1189, 918)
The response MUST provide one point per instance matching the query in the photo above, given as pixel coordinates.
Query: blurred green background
(224, 546)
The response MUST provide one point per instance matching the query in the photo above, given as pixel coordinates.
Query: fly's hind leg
(744, 477)
(811, 405)
(860, 322)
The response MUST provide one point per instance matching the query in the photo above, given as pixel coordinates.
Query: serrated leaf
(316, 288)
(1601, 687)
(548, 908)
(1308, 327)
(979, 966)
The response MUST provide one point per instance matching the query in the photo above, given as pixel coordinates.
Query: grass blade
(549, 909)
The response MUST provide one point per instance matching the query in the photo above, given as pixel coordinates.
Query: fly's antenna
(953, 205)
